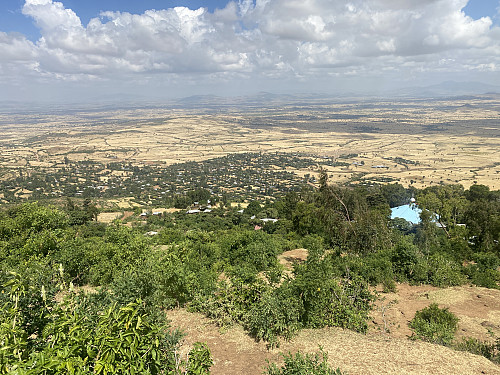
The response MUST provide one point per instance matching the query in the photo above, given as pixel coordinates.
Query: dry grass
(375, 353)
(289, 258)
(108, 217)
(478, 309)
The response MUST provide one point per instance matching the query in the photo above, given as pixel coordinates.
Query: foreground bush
(312, 300)
(275, 315)
(434, 325)
(77, 338)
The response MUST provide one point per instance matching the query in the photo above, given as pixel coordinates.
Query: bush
(434, 325)
(277, 314)
(374, 268)
(329, 300)
(484, 273)
(301, 364)
(444, 271)
(230, 301)
(407, 263)
(77, 338)
(475, 346)
(267, 314)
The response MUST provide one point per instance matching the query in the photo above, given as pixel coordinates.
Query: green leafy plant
(230, 302)
(434, 325)
(329, 300)
(484, 273)
(444, 271)
(73, 340)
(276, 314)
(199, 360)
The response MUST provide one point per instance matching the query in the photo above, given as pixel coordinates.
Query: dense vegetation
(218, 263)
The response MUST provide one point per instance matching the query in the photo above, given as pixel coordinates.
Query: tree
(447, 202)
(253, 208)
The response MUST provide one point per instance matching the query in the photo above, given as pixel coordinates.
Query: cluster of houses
(198, 208)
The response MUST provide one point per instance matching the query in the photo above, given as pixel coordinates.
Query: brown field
(445, 141)
(375, 353)
(108, 217)
(478, 309)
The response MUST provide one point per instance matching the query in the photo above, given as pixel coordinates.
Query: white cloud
(15, 48)
(289, 39)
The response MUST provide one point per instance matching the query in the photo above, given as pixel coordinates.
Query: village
(234, 177)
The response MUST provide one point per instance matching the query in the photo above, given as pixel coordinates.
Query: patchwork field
(414, 142)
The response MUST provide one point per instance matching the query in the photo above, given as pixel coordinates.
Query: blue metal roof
(409, 212)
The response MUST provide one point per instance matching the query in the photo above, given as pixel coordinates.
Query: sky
(73, 50)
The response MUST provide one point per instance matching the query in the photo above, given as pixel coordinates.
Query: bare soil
(478, 309)
(108, 217)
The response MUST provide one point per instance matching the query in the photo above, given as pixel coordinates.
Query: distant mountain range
(259, 99)
(448, 89)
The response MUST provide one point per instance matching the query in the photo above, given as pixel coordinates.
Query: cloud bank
(282, 40)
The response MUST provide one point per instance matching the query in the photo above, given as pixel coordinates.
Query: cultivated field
(415, 142)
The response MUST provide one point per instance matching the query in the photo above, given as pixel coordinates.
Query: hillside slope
(376, 353)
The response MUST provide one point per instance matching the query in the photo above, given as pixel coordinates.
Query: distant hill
(448, 88)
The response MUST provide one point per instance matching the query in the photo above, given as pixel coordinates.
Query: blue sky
(482, 8)
(71, 48)
(12, 19)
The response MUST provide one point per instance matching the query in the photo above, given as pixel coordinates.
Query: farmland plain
(413, 141)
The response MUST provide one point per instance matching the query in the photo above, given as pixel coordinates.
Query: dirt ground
(108, 217)
(478, 309)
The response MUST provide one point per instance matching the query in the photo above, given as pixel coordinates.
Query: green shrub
(484, 273)
(374, 268)
(277, 314)
(301, 364)
(164, 280)
(407, 263)
(475, 346)
(334, 302)
(230, 302)
(486, 278)
(434, 325)
(78, 338)
(444, 271)
(199, 360)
